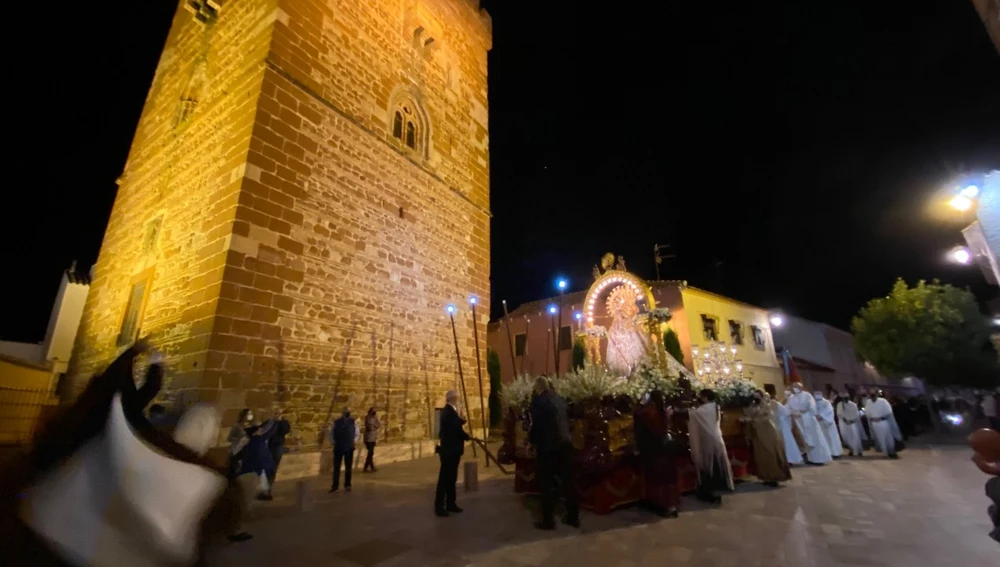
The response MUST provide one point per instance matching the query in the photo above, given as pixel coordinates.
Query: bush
(579, 354)
(672, 345)
(493, 369)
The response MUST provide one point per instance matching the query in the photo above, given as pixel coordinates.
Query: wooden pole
(527, 345)
(510, 339)
(479, 371)
(461, 377)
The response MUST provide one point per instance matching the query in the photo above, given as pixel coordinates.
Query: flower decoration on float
(597, 331)
(660, 315)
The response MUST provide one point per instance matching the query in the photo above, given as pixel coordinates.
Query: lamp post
(458, 356)
(555, 337)
(479, 366)
(579, 318)
(561, 283)
(510, 339)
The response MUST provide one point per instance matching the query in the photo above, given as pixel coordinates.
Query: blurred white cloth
(118, 502)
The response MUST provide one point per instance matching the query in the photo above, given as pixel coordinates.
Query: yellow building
(709, 318)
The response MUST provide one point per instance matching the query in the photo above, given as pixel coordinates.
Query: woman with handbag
(656, 455)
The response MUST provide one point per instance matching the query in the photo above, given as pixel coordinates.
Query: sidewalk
(928, 509)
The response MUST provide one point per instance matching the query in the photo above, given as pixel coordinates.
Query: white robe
(803, 409)
(850, 426)
(828, 424)
(792, 452)
(885, 432)
(708, 449)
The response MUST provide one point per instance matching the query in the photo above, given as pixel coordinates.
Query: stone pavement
(927, 509)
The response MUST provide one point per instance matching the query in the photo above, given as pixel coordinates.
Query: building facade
(699, 318)
(824, 355)
(307, 189)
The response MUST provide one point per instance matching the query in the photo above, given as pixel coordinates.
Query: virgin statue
(627, 343)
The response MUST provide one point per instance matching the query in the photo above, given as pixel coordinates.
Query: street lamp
(479, 367)
(458, 357)
(561, 284)
(553, 310)
(960, 255)
(777, 320)
(579, 318)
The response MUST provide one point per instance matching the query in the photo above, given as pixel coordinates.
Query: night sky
(788, 154)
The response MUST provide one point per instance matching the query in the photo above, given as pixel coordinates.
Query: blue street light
(472, 300)
(553, 309)
(578, 316)
(561, 283)
(450, 309)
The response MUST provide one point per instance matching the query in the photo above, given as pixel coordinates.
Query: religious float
(603, 395)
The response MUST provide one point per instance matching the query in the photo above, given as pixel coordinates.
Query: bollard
(303, 498)
(471, 476)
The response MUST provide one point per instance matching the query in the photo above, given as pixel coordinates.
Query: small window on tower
(710, 327)
(411, 135)
(152, 234)
(132, 320)
(736, 332)
(397, 126)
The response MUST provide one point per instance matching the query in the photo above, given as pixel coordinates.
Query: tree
(932, 331)
(493, 369)
(579, 353)
(672, 345)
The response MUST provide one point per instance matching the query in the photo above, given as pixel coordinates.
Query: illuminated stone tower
(307, 189)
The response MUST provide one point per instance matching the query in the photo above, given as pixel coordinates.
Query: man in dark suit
(554, 448)
(450, 450)
(344, 435)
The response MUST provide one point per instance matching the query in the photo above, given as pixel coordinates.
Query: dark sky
(787, 153)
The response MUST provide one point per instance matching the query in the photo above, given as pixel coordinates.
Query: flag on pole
(791, 373)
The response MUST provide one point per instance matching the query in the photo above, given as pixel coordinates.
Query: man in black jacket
(554, 448)
(344, 435)
(450, 450)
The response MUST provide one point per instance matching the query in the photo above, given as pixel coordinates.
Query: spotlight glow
(553, 309)
(450, 309)
(473, 300)
(961, 255)
(777, 320)
(961, 203)
(578, 315)
(970, 192)
(561, 284)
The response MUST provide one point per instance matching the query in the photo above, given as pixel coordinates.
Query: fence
(21, 412)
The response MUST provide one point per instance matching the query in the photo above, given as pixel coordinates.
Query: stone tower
(307, 189)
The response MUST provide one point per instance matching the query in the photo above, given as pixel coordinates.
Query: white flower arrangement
(734, 390)
(517, 394)
(596, 331)
(648, 377)
(592, 382)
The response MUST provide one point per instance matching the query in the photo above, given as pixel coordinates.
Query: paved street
(926, 509)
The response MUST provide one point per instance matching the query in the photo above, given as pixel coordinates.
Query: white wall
(804, 339)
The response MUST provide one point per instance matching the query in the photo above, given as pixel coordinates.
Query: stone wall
(307, 253)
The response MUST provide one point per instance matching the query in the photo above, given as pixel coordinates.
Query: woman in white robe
(828, 425)
(885, 432)
(708, 450)
(803, 409)
(792, 452)
(850, 426)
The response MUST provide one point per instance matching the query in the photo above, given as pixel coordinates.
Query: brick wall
(306, 253)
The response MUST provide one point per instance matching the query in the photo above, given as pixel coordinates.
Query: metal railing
(21, 412)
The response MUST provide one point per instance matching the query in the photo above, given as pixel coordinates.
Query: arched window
(409, 126)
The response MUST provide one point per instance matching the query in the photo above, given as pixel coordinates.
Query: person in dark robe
(549, 435)
(451, 447)
(656, 455)
(904, 418)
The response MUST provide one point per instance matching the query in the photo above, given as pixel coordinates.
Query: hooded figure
(802, 406)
